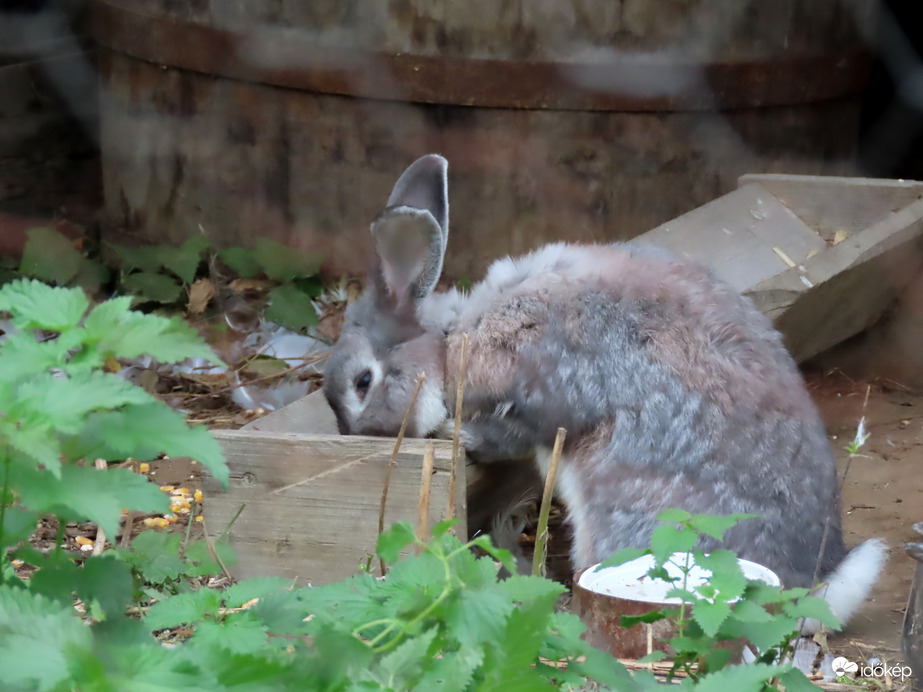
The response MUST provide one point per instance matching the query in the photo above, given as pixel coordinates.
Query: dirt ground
(882, 495)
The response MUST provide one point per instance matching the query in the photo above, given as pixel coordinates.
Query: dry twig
(541, 534)
(459, 400)
(397, 448)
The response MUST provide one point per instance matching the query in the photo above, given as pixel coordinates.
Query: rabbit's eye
(363, 382)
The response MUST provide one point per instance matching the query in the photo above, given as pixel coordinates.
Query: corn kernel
(198, 496)
(167, 488)
(144, 467)
(171, 518)
(83, 540)
(200, 518)
(156, 522)
(183, 491)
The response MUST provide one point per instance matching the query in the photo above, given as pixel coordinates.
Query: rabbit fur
(674, 390)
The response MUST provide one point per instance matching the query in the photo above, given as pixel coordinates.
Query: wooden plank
(309, 414)
(744, 236)
(829, 203)
(311, 502)
(845, 289)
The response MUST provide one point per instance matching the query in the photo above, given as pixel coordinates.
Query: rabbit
(674, 390)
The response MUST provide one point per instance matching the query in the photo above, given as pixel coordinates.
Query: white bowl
(630, 580)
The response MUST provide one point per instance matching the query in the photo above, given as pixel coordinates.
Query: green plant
(727, 607)
(51, 257)
(164, 275)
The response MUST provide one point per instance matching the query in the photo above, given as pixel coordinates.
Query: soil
(882, 496)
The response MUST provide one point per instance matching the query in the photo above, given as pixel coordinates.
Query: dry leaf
(200, 293)
(251, 285)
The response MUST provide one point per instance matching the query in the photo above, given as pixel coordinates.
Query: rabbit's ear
(410, 235)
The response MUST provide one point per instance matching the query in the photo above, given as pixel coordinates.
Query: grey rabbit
(674, 390)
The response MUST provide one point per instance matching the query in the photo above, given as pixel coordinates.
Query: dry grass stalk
(426, 480)
(541, 534)
(397, 448)
(459, 400)
(100, 543)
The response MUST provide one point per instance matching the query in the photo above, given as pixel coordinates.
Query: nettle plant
(166, 276)
(729, 607)
(441, 620)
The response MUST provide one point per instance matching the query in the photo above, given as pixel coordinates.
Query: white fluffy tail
(847, 587)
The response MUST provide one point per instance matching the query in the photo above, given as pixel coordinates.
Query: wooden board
(740, 236)
(832, 203)
(823, 257)
(311, 502)
(309, 414)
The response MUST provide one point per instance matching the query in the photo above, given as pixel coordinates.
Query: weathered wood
(823, 260)
(184, 150)
(310, 502)
(309, 414)
(830, 204)
(742, 236)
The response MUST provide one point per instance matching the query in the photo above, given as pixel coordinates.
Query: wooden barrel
(562, 119)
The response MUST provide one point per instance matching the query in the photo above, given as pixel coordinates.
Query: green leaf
(715, 525)
(249, 589)
(200, 561)
(185, 259)
(49, 256)
(18, 525)
(23, 357)
(443, 527)
(653, 657)
(649, 617)
(667, 539)
(674, 514)
(763, 635)
(291, 307)
(148, 286)
(453, 671)
(726, 575)
(478, 616)
(710, 616)
(795, 681)
(183, 609)
(87, 494)
(283, 263)
(239, 635)
(67, 401)
(37, 640)
(155, 556)
(35, 305)
(527, 589)
(144, 432)
(91, 276)
(106, 581)
(812, 607)
(402, 666)
(604, 668)
(623, 556)
(748, 611)
(738, 678)
(35, 442)
(145, 257)
(128, 334)
(501, 555)
(394, 540)
(241, 261)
